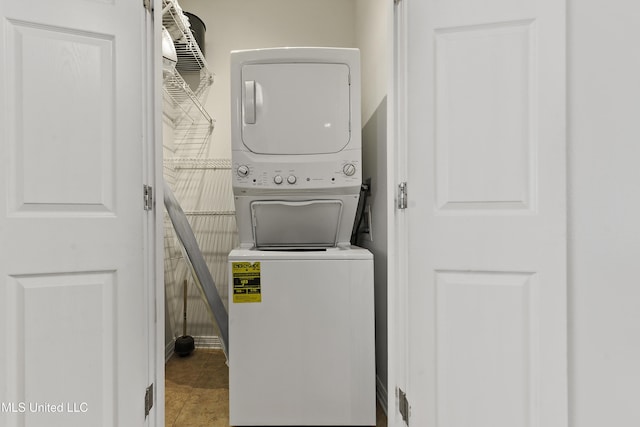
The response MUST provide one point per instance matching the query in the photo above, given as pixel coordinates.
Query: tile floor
(197, 391)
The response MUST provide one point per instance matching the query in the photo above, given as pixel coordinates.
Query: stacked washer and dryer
(301, 308)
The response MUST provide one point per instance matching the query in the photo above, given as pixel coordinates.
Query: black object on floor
(185, 344)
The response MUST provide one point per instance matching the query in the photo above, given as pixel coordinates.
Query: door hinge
(148, 197)
(148, 400)
(402, 195)
(396, 1)
(148, 5)
(403, 405)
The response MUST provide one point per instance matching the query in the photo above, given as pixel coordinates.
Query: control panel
(279, 176)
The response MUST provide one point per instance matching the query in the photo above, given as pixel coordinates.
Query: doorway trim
(397, 320)
(155, 233)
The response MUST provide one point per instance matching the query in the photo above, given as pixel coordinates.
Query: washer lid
(296, 225)
(295, 108)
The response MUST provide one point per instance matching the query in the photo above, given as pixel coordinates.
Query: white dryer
(301, 320)
(296, 146)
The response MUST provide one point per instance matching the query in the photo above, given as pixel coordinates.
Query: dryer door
(295, 108)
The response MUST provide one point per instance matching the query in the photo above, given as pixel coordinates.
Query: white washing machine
(301, 338)
(301, 309)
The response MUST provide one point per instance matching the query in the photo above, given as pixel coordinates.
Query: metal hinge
(148, 197)
(402, 195)
(148, 400)
(147, 5)
(403, 406)
(396, 1)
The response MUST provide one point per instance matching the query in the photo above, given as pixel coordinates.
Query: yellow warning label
(246, 282)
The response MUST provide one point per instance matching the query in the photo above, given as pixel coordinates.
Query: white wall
(249, 24)
(604, 212)
(372, 39)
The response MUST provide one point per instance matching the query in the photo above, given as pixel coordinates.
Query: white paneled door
(486, 219)
(73, 303)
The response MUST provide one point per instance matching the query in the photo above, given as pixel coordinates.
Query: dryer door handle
(249, 103)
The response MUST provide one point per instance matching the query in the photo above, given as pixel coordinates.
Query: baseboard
(381, 393)
(168, 350)
(212, 342)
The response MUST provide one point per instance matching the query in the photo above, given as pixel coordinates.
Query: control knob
(277, 179)
(242, 171)
(291, 179)
(349, 169)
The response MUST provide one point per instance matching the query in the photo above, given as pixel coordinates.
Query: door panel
(72, 259)
(484, 143)
(52, 64)
(485, 330)
(55, 359)
(486, 233)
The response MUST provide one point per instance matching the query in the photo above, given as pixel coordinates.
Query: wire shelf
(184, 104)
(199, 163)
(192, 124)
(190, 57)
